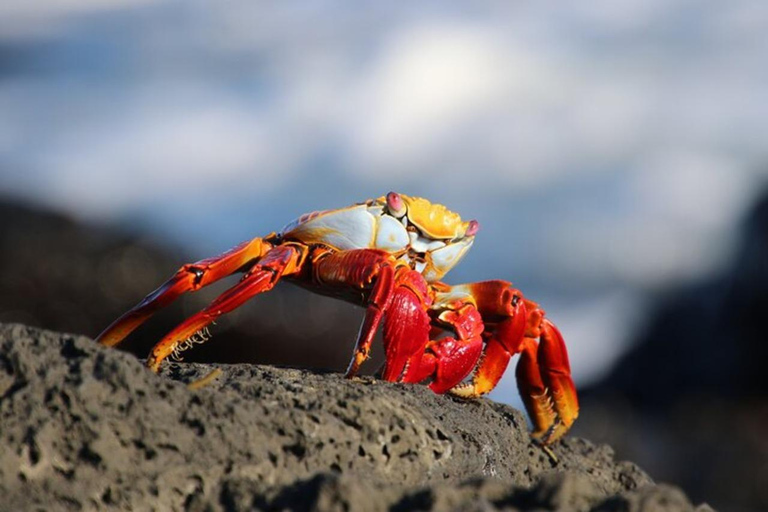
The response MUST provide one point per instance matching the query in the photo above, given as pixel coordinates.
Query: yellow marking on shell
(317, 235)
(434, 220)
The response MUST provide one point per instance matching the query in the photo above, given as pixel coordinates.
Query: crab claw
(455, 360)
(504, 340)
(515, 325)
(556, 373)
(449, 360)
(544, 379)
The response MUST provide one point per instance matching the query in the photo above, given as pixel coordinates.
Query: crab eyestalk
(472, 228)
(395, 205)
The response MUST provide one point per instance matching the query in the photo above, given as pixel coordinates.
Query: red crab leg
(188, 278)
(406, 325)
(386, 285)
(282, 260)
(348, 274)
(543, 373)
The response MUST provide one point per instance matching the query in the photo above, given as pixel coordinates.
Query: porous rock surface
(88, 428)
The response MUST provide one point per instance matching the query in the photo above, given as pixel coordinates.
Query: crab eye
(395, 204)
(473, 228)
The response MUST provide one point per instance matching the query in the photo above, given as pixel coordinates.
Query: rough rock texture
(84, 427)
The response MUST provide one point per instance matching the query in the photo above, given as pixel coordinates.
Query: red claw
(556, 374)
(455, 360)
(504, 340)
(456, 357)
(516, 325)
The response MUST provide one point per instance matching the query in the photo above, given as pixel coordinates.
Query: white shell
(437, 244)
(376, 210)
(345, 229)
(445, 258)
(368, 227)
(419, 243)
(391, 235)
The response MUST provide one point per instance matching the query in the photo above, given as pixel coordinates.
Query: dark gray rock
(84, 427)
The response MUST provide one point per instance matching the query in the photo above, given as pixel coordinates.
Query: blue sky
(608, 150)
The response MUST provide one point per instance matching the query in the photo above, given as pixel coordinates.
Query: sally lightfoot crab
(389, 255)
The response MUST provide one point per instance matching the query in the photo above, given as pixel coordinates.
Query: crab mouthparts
(417, 256)
(416, 260)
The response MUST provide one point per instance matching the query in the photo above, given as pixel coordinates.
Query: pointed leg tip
(542, 437)
(153, 364)
(555, 431)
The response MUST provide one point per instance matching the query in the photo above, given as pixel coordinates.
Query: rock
(85, 427)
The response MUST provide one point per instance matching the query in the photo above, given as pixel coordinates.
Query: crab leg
(392, 292)
(282, 260)
(543, 374)
(406, 326)
(351, 274)
(189, 278)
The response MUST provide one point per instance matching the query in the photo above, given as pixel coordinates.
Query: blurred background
(614, 154)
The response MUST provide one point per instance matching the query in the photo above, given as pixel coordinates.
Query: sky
(609, 150)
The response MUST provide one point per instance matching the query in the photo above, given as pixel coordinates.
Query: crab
(389, 255)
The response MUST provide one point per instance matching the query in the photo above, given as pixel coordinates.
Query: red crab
(389, 255)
